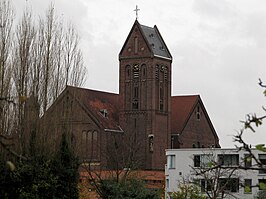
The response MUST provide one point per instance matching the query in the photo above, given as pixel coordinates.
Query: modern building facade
(227, 173)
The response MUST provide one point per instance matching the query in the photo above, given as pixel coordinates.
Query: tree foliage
(41, 177)
(129, 189)
(188, 191)
(30, 179)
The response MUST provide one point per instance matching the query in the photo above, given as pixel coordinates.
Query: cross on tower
(136, 10)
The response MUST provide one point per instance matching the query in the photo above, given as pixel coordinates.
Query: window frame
(263, 161)
(227, 159)
(171, 161)
(248, 182)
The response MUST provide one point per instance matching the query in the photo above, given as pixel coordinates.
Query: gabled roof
(182, 107)
(98, 102)
(93, 102)
(156, 41)
(153, 40)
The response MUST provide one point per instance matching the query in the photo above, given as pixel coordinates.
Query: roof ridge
(93, 90)
(189, 95)
(146, 26)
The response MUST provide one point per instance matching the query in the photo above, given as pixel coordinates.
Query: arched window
(94, 144)
(128, 72)
(136, 46)
(143, 70)
(135, 104)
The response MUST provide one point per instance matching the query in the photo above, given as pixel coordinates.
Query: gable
(102, 106)
(191, 122)
(89, 105)
(144, 41)
(182, 106)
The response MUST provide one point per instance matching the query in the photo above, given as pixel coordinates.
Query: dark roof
(155, 41)
(182, 106)
(98, 102)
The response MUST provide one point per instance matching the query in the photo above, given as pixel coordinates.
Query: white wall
(184, 168)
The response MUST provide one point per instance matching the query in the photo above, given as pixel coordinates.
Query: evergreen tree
(65, 167)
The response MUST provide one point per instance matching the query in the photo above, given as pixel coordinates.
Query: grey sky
(218, 49)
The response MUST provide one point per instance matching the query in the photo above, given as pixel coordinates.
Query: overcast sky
(218, 49)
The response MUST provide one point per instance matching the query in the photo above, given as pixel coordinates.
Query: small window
(228, 159)
(262, 183)
(229, 184)
(167, 183)
(247, 160)
(262, 159)
(136, 71)
(248, 186)
(203, 160)
(157, 72)
(104, 112)
(198, 113)
(143, 68)
(135, 105)
(196, 160)
(206, 185)
(151, 143)
(161, 105)
(136, 46)
(171, 161)
(161, 91)
(165, 73)
(136, 92)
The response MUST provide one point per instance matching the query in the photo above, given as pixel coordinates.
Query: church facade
(135, 126)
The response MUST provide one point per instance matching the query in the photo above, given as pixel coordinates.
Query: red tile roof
(95, 101)
(182, 106)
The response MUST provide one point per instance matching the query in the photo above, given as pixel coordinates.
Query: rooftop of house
(182, 106)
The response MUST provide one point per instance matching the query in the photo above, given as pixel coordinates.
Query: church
(135, 126)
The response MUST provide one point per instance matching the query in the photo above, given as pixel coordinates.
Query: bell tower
(145, 95)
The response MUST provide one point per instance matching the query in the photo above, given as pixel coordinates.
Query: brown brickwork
(138, 124)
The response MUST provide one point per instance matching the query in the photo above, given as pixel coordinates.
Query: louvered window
(136, 71)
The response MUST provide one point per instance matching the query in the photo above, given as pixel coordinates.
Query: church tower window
(136, 46)
(135, 104)
(165, 73)
(161, 96)
(157, 72)
(143, 68)
(198, 113)
(136, 71)
(127, 72)
(161, 88)
(136, 92)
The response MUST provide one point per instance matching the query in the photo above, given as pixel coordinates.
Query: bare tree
(215, 179)
(22, 64)
(45, 58)
(6, 24)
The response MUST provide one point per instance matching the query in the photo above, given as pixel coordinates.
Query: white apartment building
(184, 164)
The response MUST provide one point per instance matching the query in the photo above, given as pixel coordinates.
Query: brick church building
(135, 126)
